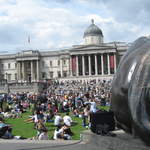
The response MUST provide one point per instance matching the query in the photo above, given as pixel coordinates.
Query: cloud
(61, 23)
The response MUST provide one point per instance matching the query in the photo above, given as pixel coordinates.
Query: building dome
(93, 30)
(93, 35)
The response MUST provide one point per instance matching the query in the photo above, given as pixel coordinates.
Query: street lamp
(6, 77)
(7, 83)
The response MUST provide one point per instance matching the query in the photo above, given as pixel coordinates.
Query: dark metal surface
(131, 90)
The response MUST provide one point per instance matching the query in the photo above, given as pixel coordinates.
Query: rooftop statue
(130, 100)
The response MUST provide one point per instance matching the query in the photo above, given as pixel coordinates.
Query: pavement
(89, 141)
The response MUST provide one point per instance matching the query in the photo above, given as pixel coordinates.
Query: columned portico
(93, 59)
(92, 66)
(30, 73)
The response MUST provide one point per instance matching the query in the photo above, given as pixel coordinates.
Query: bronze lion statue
(130, 99)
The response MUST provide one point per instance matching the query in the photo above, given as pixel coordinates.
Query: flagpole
(29, 40)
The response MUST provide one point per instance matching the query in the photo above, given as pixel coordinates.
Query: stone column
(37, 71)
(32, 74)
(23, 71)
(18, 71)
(61, 67)
(89, 58)
(83, 66)
(108, 62)
(115, 65)
(96, 70)
(77, 66)
(102, 64)
(70, 65)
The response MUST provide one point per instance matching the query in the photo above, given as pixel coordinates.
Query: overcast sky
(56, 24)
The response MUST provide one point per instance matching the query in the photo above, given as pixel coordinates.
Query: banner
(73, 64)
(111, 58)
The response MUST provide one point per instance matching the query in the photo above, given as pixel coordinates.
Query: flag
(29, 39)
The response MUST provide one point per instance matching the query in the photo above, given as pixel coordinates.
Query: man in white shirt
(67, 120)
(93, 107)
(58, 120)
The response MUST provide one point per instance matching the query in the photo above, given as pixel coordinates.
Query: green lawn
(27, 129)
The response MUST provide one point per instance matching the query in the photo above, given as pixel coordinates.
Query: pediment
(91, 47)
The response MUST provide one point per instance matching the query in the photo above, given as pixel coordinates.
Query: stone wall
(22, 87)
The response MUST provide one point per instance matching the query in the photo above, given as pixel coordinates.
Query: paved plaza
(89, 141)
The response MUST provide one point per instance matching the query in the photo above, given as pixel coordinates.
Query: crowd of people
(72, 98)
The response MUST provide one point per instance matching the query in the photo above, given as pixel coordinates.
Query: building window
(58, 62)
(43, 63)
(15, 76)
(3, 76)
(2, 66)
(28, 64)
(8, 65)
(64, 62)
(64, 73)
(51, 63)
(8, 77)
(92, 39)
(15, 65)
(58, 74)
(44, 75)
(51, 74)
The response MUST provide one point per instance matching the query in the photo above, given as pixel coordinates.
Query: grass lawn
(27, 130)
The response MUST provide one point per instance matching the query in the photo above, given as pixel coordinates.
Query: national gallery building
(95, 59)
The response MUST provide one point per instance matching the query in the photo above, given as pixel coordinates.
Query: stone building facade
(92, 60)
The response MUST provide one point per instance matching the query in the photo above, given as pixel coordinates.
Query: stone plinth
(122, 141)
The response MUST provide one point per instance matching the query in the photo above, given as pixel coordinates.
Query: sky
(59, 24)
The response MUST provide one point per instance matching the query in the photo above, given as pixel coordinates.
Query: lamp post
(6, 77)
(7, 83)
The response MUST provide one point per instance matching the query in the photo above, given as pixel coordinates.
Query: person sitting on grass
(40, 127)
(63, 132)
(43, 135)
(67, 119)
(33, 118)
(76, 113)
(57, 133)
(58, 120)
(5, 130)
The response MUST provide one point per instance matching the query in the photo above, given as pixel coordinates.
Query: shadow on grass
(74, 123)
